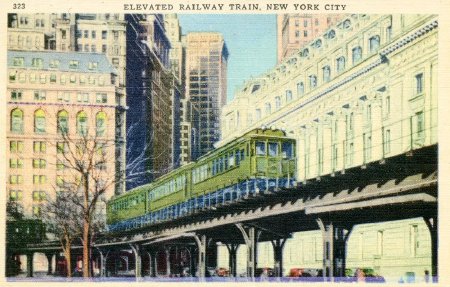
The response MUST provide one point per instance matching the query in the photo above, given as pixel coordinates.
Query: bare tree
(58, 215)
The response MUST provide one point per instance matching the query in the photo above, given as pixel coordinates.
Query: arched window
(17, 121)
(288, 96)
(39, 121)
(100, 122)
(356, 55)
(340, 64)
(82, 123)
(326, 73)
(268, 108)
(277, 103)
(312, 81)
(300, 89)
(374, 43)
(63, 122)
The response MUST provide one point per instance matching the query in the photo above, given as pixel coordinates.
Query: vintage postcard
(225, 142)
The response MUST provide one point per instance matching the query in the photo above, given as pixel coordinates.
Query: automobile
(222, 272)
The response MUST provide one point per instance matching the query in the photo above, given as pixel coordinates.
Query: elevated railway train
(261, 160)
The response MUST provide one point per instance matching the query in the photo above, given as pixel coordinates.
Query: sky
(250, 39)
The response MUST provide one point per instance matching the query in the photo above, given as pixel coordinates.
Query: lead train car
(261, 160)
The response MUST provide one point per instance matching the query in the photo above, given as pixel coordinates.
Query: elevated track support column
(432, 224)
(103, 257)
(50, 261)
(30, 256)
(136, 248)
(278, 245)
(201, 264)
(335, 235)
(232, 263)
(250, 235)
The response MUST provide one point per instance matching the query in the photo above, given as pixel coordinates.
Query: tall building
(206, 81)
(153, 121)
(46, 92)
(294, 31)
(363, 92)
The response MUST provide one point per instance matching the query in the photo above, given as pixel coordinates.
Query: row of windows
(93, 34)
(53, 79)
(53, 63)
(40, 123)
(39, 95)
(169, 187)
(128, 202)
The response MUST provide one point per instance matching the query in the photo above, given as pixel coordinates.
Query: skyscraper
(206, 80)
(296, 30)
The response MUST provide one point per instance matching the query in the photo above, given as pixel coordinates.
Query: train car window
(243, 154)
(260, 148)
(237, 157)
(220, 164)
(287, 150)
(273, 149)
(225, 159)
(231, 160)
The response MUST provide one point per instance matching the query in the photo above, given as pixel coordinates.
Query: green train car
(261, 160)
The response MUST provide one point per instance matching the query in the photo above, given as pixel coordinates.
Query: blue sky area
(251, 42)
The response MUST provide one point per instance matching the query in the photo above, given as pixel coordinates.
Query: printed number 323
(19, 6)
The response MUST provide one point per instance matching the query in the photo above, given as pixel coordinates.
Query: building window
(62, 79)
(39, 179)
(83, 97)
(42, 78)
(380, 243)
(39, 95)
(367, 147)
(369, 114)
(305, 33)
(100, 121)
(350, 122)
(300, 89)
(15, 163)
(277, 103)
(334, 157)
(39, 163)
(388, 33)
(420, 126)
(39, 121)
(288, 96)
(104, 48)
(39, 147)
(326, 74)
(61, 147)
(63, 34)
(387, 106)
(374, 43)
(356, 55)
(93, 34)
(258, 114)
(17, 121)
(15, 195)
(82, 123)
(116, 35)
(37, 62)
(18, 61)
(63, 122)
(268, 109)
(419, 84)
(414, 239)
(104, 34)
(39, 196)
(16, 95)
(297, 34)
(349, 154)
(16, 146)
(86, 34)
(387, 141)
(93, 65)
(340, 64)
(36, 211)
(73, 64)
(73, 79)
(15, 179)
(93, 48)
(52, 78)
(305, 23)
(86, 47)
(312, 81)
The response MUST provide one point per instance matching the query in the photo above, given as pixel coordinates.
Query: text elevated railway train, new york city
(261, 160)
